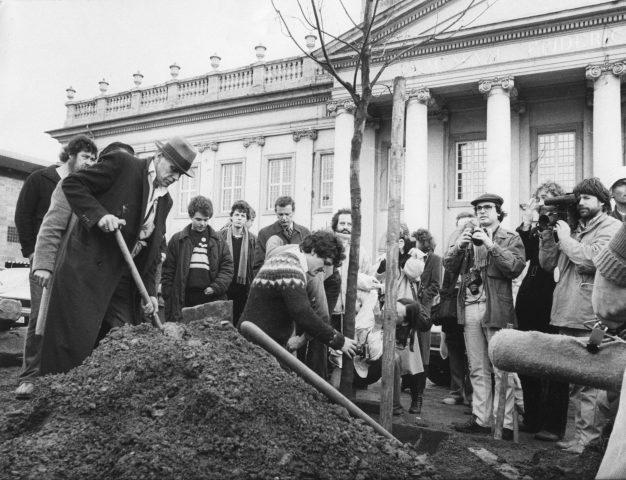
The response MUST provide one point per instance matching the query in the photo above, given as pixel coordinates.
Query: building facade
(500, 100)
(14, 169)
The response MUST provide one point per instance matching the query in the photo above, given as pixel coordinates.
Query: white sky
(48, 45)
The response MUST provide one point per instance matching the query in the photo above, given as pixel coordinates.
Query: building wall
(10, 186)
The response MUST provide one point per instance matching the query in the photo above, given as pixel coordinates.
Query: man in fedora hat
(92, 290)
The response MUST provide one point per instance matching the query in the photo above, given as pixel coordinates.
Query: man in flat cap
(92, 290)
(571, 259)
(486, 258)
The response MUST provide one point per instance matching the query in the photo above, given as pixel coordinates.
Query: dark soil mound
(210, 405)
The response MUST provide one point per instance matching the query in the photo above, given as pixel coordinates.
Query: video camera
(564, 209)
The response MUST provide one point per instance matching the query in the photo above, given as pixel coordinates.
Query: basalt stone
(221, 310)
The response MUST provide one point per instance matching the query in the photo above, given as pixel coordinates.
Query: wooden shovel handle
(128, 258)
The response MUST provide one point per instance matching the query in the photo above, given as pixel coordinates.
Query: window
(278, 180)
(231, 184)
(471, 159)
(324, 181)
(187, 189)
(12, 236)
(557, 159)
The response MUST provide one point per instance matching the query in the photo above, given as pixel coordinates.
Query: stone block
(218, 311)
(12, 347)
(10, 310)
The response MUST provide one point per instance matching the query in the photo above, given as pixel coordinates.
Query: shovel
(136, 277)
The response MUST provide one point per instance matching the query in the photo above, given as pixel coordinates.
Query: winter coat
(534, 297)
(573, 256)
(506, 261)
(299, 233)
(430, 283)
(223, 234)
(32, 205)
(51, 241)
(175, 270)
(90, 268)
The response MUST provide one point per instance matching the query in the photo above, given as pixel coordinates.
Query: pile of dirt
(208, 405)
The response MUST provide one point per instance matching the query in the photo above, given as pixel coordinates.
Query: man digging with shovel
(92, 290)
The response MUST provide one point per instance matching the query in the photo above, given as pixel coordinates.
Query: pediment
(418, 19)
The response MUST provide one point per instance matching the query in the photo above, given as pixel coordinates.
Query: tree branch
(351, 89)
(428, 39)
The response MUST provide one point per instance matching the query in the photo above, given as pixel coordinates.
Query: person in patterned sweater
(278, 300)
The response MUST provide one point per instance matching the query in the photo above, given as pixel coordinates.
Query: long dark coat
(90, 268)
(430, 283)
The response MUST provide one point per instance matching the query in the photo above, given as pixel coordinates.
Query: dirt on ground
(211, 405)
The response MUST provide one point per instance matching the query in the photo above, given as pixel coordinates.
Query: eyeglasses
(484, 208)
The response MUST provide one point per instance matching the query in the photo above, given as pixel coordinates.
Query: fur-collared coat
(90, 268)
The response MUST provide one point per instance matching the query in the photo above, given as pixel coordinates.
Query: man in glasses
(486, 258)
(278, 299)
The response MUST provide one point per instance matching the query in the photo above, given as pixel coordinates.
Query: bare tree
(367, 49)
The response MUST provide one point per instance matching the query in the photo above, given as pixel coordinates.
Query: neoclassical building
(523, 92)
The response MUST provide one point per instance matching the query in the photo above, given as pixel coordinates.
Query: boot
(416, 404)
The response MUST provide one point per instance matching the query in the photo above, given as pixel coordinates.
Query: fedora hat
(180, 152)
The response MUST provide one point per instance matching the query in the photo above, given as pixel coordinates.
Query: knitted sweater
(278, 302)
(612, 259)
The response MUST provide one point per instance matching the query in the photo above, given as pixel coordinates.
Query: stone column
(344, 130)
(416, 195)
(499, 168)
(607, 118)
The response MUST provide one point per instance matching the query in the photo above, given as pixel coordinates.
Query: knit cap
(611, 262)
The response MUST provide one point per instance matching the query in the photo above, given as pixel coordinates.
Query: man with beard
(486, 259)
(571, 261)
(341, 224)
(288, 230)
(32, 205)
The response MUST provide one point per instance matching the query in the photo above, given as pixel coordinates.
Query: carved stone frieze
(593, 72)
(306, 133)
(422, 95)
(213, 146)
(260, 141)
(505, 83)
(333, 107)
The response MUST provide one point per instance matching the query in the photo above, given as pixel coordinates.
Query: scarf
(243, 256)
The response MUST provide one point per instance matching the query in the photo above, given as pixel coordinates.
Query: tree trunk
(360, 115)
(393, 228)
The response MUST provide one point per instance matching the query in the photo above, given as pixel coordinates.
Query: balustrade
(284, 71)
(250, 80)
(154, 96)
(235, 80)
(118, 103)
(197, 87)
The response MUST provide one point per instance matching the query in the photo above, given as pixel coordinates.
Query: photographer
(486, 258)
(545, 401)
(571, 262)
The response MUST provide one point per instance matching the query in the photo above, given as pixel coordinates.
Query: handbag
(444, 313)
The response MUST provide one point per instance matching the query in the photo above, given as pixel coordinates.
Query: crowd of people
(293, 283)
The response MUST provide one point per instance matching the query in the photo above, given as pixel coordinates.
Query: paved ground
(438, 416)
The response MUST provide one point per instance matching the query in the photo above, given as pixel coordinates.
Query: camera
(475, 241)
(363, 350)
(473, 281)
(564, 208)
